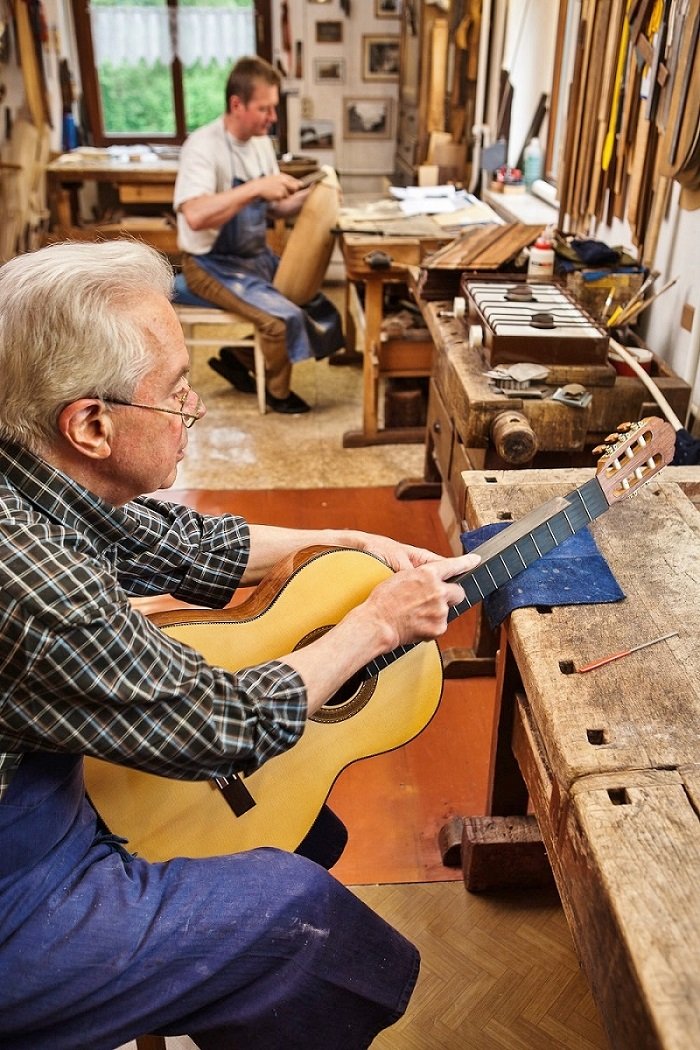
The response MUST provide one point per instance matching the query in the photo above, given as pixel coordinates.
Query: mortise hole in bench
(505, 515)
(491, 481)
(566, 666)
(619, 796)
(544, 610)
(596, 736)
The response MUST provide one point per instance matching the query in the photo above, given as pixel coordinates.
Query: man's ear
(87, 426)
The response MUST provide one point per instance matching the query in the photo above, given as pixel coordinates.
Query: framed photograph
(316, 134)
(329, 32)
(380, 57)
(329, 70)
(387, 8)
(367, 118)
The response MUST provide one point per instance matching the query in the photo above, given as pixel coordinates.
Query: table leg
(505, 847)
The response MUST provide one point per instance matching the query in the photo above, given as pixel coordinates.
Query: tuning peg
(599, 450)
(612, 438)
(624, 427)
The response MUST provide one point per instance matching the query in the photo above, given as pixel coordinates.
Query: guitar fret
(517, 550)
(505, 566)
(583, 503)
(493, 581)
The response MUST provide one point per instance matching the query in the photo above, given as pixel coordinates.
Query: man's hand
(277, 187)
(414, 603)
(410, 606)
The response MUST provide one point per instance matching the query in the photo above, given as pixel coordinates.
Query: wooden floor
(498, 973)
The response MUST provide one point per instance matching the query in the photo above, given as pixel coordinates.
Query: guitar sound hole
(346, 692)
(347, 701)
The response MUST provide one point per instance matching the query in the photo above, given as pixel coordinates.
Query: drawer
(439, 432)
(459, 461)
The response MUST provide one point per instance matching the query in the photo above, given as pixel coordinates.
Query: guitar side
(163, 818)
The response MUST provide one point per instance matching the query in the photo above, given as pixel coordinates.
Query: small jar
(541, 262)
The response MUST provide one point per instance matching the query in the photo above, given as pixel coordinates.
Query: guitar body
(163, 818)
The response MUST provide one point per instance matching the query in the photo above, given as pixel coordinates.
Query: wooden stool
(207, 326)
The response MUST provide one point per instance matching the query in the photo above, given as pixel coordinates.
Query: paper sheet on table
(403, 193)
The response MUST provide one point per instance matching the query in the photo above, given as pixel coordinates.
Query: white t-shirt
(210, 159)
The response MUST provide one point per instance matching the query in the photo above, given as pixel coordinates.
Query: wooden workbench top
(641, 712)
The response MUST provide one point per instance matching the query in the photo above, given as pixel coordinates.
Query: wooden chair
(210, 326)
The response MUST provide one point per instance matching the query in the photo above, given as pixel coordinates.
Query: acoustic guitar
(382, 707)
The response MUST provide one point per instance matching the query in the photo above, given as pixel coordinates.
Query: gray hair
(66, 330)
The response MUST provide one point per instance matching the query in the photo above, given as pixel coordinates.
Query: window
(153, 70)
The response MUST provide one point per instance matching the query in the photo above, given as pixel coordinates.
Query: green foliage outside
(138, 98)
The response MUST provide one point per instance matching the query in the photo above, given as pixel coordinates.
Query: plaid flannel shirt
(82, 671)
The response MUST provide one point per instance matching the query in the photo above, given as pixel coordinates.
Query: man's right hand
(277, 187)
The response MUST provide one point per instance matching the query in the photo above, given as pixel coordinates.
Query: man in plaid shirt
(258, 949)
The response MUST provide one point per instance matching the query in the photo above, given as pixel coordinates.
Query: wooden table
(379, 256)
(608, 760)
(138, 182)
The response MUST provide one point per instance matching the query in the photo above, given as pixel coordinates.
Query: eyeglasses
(188, 418)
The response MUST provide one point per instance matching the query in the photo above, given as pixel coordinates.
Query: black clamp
(378, 260)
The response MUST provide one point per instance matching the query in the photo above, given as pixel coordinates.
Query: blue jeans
(263, 949)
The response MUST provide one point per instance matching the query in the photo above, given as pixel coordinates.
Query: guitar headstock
(633, 456)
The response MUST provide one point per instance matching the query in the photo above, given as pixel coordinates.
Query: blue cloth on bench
(574, 573)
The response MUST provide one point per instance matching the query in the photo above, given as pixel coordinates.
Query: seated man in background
(262, 948)
(228, 184)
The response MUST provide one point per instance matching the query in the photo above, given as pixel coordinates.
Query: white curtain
(127, 35)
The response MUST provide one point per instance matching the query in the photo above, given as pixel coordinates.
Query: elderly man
(259, 949)
(228, 184)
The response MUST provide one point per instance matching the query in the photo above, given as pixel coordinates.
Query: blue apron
(241, 260)
(98, 946)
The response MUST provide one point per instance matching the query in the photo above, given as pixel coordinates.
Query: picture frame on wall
(317, 134)
(380, 57)
(368, 118)
(329, 32)
(329, 70)
(387, 8)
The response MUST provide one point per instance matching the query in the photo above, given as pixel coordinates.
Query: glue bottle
(541, 263)
(533, 162)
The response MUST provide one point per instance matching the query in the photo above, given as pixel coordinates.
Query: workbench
(609, 760)
(472, 426)
(366, 282)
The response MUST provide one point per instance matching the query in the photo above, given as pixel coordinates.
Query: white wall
(356, 157)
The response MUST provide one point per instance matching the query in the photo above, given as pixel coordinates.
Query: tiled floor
(234, 447)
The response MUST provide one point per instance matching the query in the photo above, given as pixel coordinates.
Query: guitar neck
(506, 555)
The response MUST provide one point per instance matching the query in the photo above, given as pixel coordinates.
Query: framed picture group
(368, 117)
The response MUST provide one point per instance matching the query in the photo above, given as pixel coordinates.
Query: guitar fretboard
(510, 552)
